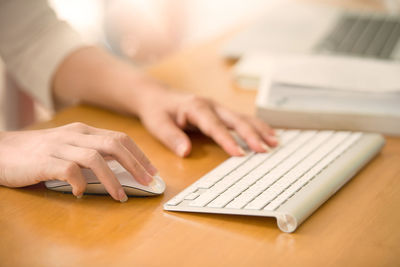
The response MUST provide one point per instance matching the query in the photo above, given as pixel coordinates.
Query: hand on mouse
(29, 157)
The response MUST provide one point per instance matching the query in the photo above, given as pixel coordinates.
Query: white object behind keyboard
(288, 183)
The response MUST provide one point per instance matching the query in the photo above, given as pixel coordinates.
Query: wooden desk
(359, 226)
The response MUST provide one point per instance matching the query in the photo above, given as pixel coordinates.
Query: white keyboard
(289, 183)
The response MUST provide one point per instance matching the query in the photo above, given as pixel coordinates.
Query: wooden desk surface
(359, 226)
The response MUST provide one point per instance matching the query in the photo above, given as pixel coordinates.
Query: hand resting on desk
(166, 114)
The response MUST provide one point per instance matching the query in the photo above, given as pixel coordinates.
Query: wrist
(141, 93)
(94, 76)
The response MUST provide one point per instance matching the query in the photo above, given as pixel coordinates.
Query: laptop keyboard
(368, 36)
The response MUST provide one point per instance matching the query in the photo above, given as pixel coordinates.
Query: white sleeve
(33, 42)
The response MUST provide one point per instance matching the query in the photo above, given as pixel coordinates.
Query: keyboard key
(260, 186)
(175, 200)
(227, 196)
(204, 199)
(239, 173)
(306, 165)
(390, 45)
(263, 199)
(353, 35)
(366, 36)
(191, 196)
(378, 43)
(277, 202)
(181, 196)
(220, 171)
(241, 201)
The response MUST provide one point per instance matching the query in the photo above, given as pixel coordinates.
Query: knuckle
(197, 101)
(122, 137)
(93, 157)
(78, 126)
(111, 143)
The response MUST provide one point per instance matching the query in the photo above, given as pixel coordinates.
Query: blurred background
(145, 31)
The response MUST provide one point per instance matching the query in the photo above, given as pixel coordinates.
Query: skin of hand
(29, 157)
(94, 76)
(167, 119)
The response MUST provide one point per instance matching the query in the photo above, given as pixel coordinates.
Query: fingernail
(181, 150)
(157, 175)
(74, 192)
(273, 139)
(265, 147)
(149, 178)
(153, 182)
(241, 151)
(122, 196)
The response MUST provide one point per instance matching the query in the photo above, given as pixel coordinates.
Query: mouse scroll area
(128, 183)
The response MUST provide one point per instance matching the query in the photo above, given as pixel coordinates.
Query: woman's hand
(92, 75)
(28, 157)
(166, 114)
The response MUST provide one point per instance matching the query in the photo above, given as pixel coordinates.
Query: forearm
(92, 75)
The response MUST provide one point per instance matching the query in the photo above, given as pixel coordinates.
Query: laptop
(291, 27)
(320, 67)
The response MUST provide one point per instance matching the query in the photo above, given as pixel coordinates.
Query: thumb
(165, 129)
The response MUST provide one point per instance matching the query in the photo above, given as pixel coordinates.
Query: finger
(66, 171)
(164, 128)
(207, 121)
(91, 159)
(125, 140)
(266, 132)
(244, 128)
(249, 135)
(247, 132)
(108, 145)
(137, 152)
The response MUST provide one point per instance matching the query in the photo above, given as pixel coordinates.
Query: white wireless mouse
(128, 182)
